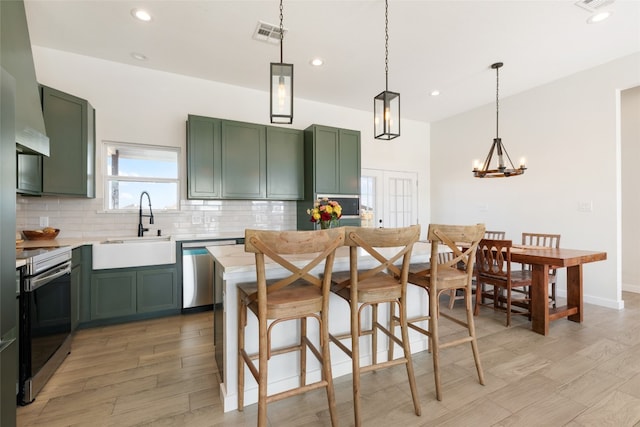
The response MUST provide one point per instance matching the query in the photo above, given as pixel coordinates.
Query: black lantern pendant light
(386, 106)
(501, 171)
(281, 109)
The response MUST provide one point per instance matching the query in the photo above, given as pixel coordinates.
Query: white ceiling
(446, 45)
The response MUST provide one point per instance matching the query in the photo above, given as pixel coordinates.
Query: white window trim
(106, 177)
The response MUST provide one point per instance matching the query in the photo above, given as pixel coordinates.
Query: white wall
(569, 132)
(630, 125)
(140, 105)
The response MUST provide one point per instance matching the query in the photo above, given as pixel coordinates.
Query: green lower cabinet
(134, 293)
(77, 275)
(113, 294)
(157, 290)
(76, 280)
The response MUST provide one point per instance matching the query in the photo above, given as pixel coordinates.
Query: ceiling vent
(593, 5)
(268, 33)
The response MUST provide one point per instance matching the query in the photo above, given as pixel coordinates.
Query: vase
(332, 223)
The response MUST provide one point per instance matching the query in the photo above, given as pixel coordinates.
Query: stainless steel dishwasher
(197, 275)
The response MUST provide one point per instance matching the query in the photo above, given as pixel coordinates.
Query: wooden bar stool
(298, 296)
(381, 282)
(454, 273)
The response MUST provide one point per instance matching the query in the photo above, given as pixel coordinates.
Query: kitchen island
(233, 266)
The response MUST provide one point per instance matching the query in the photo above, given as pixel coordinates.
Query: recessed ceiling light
(599, 17)
(139, 56)
(435, 92)
(141, 14)
(317, 62)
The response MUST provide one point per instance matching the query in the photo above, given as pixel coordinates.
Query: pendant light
(386, 106)
(501, 170)
(281, 88)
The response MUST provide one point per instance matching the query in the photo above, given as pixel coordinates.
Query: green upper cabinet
(332, 160)
(29, 174)
(285, 163)
(244, 169)
(349, 162)
(322, 143)
(70, 123)
(203, 158)
(243, 161)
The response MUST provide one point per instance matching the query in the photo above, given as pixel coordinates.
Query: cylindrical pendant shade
(386, 112)
(281, 93)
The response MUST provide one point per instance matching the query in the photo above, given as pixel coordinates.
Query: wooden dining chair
(454, 273)
(493, 267)
(299, 295)
(382, 281)
(549, 241)
(495, 235)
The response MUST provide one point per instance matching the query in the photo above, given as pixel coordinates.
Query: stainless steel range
(45, 316)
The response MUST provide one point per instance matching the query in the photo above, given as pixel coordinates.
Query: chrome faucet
(141, 229)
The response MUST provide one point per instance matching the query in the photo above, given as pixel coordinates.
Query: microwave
(350, 204)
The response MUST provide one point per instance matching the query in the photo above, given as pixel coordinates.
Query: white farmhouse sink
(119, 252)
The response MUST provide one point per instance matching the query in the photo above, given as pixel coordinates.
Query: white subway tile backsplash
(86, 218)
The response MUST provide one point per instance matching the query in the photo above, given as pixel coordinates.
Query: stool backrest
(462, 240)
(276, 245)
(370, 240)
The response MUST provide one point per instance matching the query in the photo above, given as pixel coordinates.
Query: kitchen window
(134, 168)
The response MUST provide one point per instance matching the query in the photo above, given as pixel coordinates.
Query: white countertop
(235, 260)
(76, 242)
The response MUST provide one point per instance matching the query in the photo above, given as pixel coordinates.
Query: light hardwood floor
(162, 373)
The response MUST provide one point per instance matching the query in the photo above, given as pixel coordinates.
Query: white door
(389, 198)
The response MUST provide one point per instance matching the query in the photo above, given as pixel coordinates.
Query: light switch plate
(585, 206)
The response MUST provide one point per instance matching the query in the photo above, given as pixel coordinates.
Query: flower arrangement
(326, 212)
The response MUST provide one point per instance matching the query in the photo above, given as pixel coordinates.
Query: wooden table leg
(574, 291)
(539, 299)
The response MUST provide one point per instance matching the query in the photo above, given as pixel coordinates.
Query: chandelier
(501, 170)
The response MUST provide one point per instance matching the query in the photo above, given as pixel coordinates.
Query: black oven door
(45, 325)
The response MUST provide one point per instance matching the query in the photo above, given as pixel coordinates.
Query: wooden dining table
(541, 260)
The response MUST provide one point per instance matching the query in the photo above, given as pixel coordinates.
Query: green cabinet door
(70, 168)
(8, 381)
(349, 162)
(8, 326)
(29, 174)
(157, 290)
(203, 158)
(76, 286)
(113, 294)
(325, 150)
(285, 163)
(243, 160)
(332, 158)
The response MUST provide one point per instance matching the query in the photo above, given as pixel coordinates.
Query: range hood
(17, 60)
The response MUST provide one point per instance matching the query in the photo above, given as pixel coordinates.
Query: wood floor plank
(162, 372)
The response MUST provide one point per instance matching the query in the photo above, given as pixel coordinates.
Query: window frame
(107, 178)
